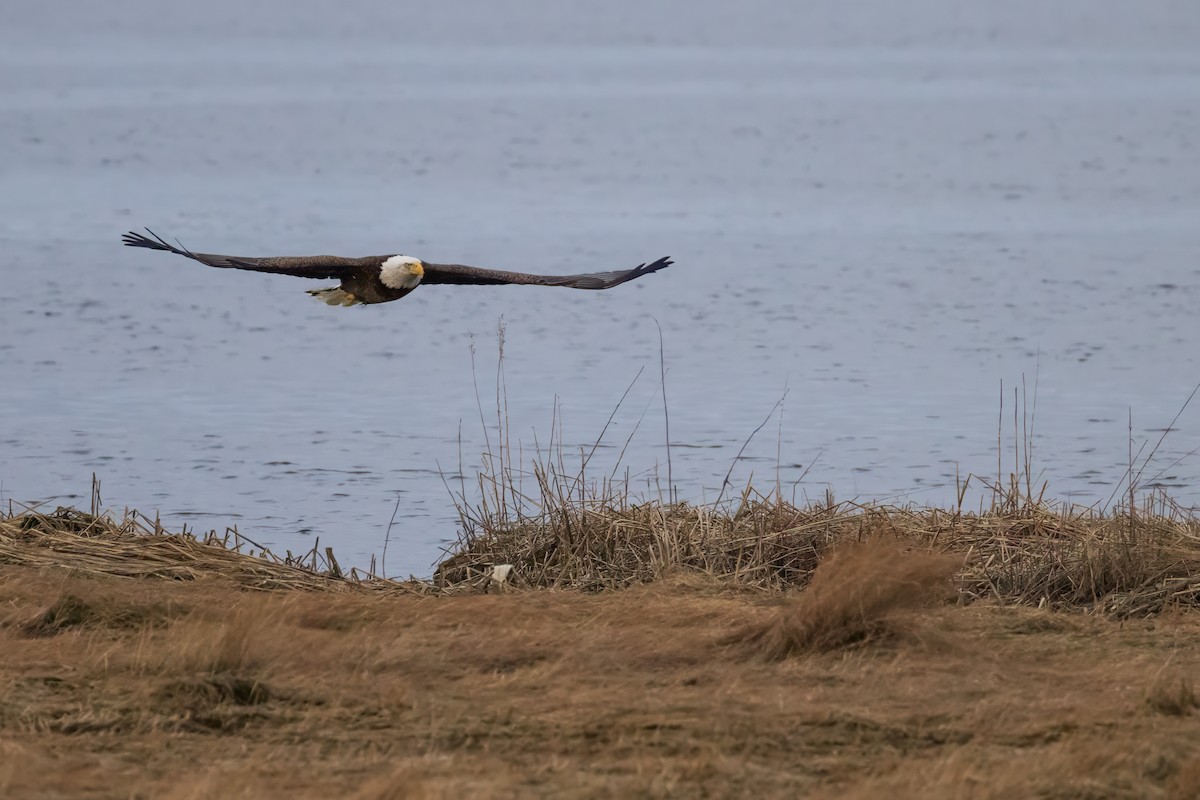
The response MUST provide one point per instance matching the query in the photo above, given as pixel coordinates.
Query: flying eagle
(381, 279)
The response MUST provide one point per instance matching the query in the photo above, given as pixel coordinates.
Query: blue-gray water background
(886, 208)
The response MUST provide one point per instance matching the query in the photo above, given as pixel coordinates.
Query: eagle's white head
(401, 272)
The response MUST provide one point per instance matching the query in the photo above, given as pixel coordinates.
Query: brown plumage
(380, 279)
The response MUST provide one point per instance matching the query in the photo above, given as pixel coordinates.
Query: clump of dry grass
(133, 546)
(609, 542)
(95, 609)
(1022, 549)
(239, 644)
(859, 592)
(67, 611)
(560, 527)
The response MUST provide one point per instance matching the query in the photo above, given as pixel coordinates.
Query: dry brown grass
(1172, 693)
(232, 692)
(132, 546)
(858, 593)
(768, 650)
(1019, 549)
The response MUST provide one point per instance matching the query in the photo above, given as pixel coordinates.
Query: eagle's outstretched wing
(461, 275)
(300, 266)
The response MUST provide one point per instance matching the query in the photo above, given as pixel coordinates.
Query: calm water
(886, 211)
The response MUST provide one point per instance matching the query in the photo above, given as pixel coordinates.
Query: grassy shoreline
(652, 649)
(1135, 561)
(1126, 564)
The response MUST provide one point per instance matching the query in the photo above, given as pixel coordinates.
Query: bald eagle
(381, 279)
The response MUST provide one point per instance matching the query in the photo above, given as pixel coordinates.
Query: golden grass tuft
(240, 643)
(859, 592)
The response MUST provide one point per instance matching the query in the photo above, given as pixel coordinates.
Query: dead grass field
(880, 678)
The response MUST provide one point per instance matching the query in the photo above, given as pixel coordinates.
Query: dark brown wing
(462, 275)
(300, 266)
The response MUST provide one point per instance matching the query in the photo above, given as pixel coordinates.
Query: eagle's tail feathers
(335, 296)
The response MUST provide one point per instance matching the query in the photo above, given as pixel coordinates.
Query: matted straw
(134, 547)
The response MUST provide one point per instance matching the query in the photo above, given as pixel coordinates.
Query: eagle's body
(381, 279)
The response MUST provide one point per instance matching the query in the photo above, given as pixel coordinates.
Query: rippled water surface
(884, 211)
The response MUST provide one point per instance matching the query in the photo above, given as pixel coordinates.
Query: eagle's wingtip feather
(152, 242)
(133, 239)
